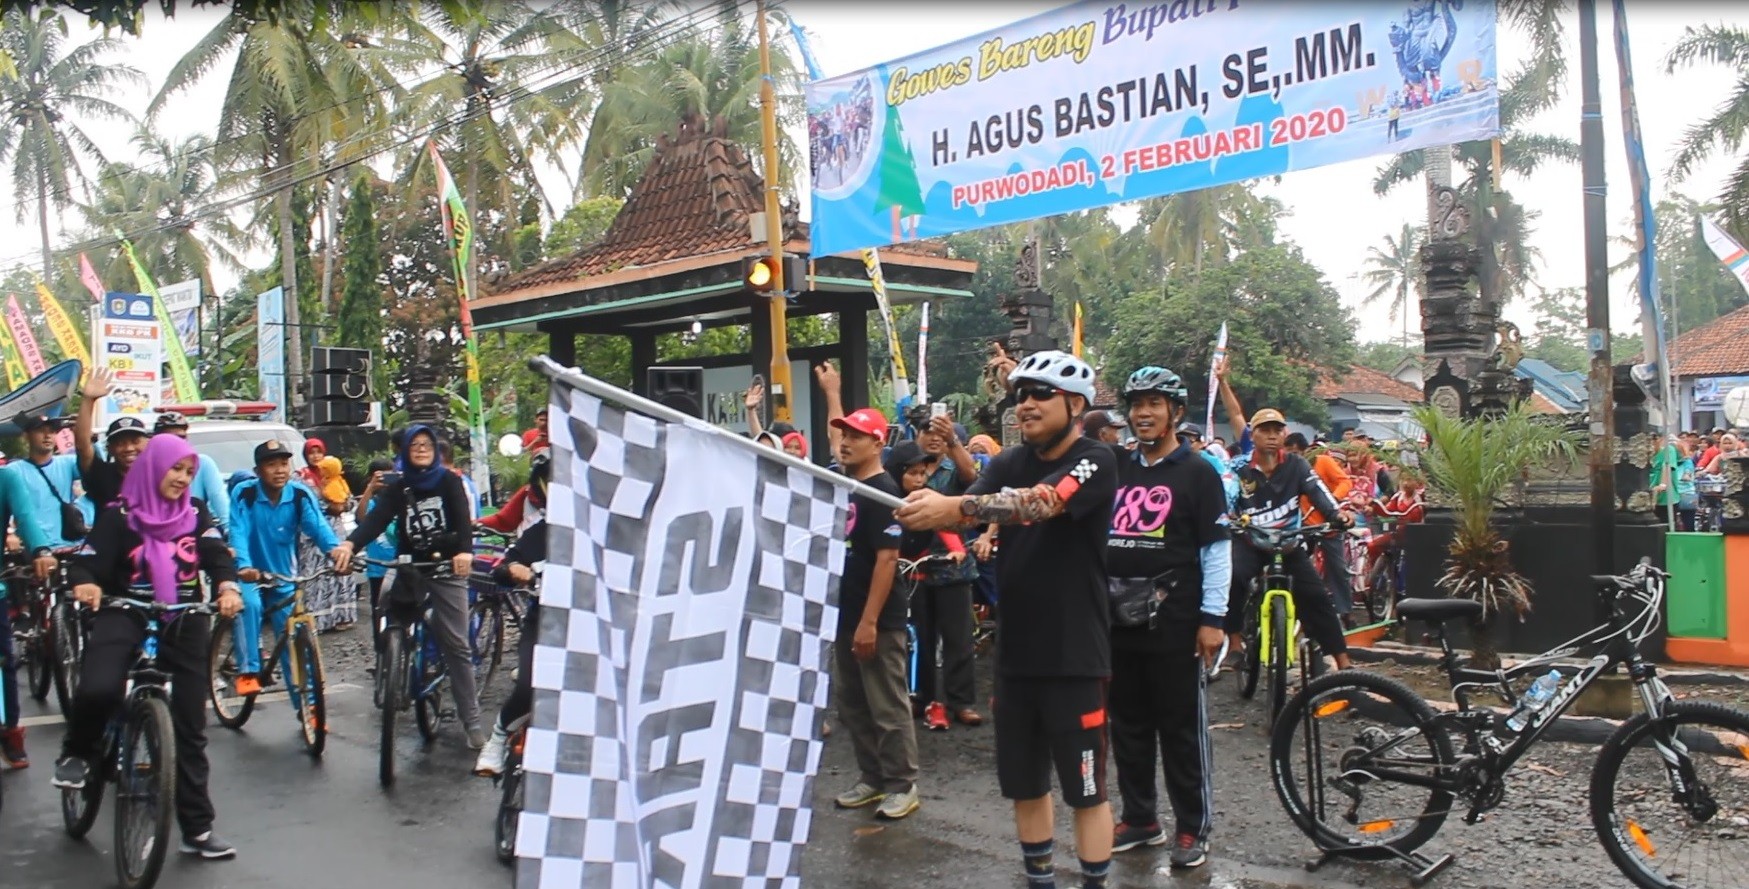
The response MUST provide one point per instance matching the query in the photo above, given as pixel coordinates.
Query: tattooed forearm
(1016, 506)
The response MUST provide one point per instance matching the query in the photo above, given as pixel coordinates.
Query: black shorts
(1041, 723)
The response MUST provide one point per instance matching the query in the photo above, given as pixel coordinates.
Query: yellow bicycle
(296, 652)
(1273, 642)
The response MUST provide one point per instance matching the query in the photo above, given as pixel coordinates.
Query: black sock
(1040, 873)
(1093, 873)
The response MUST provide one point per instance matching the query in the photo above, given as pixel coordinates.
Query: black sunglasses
(1022, 394)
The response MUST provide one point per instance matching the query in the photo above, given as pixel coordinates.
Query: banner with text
(182, 303)
(1101, 102)
(130, 343)
(270, 349)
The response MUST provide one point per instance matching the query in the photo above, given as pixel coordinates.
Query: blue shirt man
(267, 514)
(44, 483)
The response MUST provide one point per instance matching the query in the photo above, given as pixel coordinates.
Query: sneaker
(935, 717)
(897, 805)
(862, 794)
(1190, 851)
(208, 846)
(476, 738)
(70, 773)
(1129, 836)
(248, 684)
(492, 756)
(12, 748)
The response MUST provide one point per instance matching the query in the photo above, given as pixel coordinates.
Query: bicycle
(139, 758)
(296, 652)
(1409, 747)
(410, 668)
(31, 637)
(66, 633)
(906, 579)
(510, 794)
(1273, 641)
(1384, 572)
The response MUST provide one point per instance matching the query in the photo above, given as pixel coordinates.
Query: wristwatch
(968, 507)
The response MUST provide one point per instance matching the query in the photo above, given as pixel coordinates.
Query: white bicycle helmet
(1058, 369)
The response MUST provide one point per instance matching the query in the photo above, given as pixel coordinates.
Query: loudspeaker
(331, 359)
(349, 386)
(680, 388)
(338, 412)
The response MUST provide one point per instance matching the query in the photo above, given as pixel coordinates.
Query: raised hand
(98, 382)
(755, 394)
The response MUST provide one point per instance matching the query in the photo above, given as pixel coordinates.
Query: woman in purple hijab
(152, 545)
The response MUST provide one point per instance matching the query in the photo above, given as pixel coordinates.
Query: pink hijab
(160, 522)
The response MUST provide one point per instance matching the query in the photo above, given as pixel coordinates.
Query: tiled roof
(1717, 348)
(694, 199)
(1358, 380)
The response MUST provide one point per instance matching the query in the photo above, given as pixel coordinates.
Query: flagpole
(577, 379)
(778, 302)
(459, 229)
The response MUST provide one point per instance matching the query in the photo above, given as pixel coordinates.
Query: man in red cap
(874, 703)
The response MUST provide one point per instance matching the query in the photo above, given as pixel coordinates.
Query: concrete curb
(1427, 656)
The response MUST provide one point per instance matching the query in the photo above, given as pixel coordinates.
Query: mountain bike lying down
(1369, 771)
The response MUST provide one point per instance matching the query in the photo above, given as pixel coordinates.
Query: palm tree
(1395, 272)
(1195, 228)
(1726, 129)
(713, 75)
(155, 202)
(51, 82)
(301, 92)
(1473, 463)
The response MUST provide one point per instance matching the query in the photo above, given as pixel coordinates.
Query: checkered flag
(680, 678)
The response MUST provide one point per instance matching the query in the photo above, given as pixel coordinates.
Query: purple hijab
(158, 521)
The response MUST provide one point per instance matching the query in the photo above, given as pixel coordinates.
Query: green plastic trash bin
(1694, 603)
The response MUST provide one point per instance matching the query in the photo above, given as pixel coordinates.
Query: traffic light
(758, 273)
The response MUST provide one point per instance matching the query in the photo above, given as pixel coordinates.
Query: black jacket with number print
(435, 526)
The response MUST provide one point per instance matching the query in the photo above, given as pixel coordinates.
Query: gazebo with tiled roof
(674, 255)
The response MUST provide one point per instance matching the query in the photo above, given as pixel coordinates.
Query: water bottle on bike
(1540, 692)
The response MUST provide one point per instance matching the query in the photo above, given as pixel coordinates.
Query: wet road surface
(297, 823)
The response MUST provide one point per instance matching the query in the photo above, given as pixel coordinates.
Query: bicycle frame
(282, 647)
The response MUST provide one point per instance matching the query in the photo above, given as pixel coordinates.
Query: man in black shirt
(124, 440)
(873, 702)
(1053, 498)
(1167, 549)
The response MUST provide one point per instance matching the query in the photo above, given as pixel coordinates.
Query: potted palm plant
(1472, 464)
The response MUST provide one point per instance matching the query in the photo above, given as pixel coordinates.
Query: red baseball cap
(867, 421)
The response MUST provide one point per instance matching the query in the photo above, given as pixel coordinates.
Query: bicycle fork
(1283, 599)
(1685, 786)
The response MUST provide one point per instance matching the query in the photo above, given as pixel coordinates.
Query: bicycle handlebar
(126, 604)
(435, 567)
(271, 579)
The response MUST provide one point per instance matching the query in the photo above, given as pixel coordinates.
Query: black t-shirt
(102, 481)
(869, 529)
(1054, 614)
(1163, 516)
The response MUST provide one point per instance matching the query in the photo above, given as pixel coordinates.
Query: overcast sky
(1334, 215)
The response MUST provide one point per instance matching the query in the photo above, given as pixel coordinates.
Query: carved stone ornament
(1026, 267)
(1448, 402)
(1451, 216)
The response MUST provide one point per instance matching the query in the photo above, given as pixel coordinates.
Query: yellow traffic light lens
(760, 274)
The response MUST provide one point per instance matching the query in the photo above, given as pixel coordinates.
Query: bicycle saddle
(1436, 610)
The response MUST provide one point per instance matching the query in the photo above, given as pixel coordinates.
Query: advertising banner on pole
(270, 349)
(129, 343)
(181, 302)
(1101, 102)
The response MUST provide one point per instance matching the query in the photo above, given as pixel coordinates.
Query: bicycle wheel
(486, 637)
(311, 695)
(1279, 642)
(229, 708)
(1662, 834)
(1251, 659)
(1381, 591)
(79, 807)
(1334, 752)
(428, 706)
(145, 793)
(38, 654)
(509, 810)
(392, 680)
(69, 648)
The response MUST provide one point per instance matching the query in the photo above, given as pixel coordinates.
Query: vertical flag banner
(270, 349)
(16, 375)
(1730, 253)
(187, 391)
(680, 678)
(1079, 342)
(923, 354)
(22, 335)
(130, 343)
(61, 326)
(459, 229)
(871, 258)
(88, 277)
(1101, 102)
(1652, 327)
(1208, 424)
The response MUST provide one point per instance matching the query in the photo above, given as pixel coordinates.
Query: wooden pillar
(562, 347)
(853, 356)
(643, 355)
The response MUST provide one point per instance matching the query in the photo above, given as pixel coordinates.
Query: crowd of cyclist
(149, 519)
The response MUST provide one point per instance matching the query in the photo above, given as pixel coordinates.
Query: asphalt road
(297, 823)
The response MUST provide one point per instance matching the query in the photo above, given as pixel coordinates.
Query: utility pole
(779, 375)
(1601, 384)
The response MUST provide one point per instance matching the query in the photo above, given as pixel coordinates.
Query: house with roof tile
(1708, 362)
